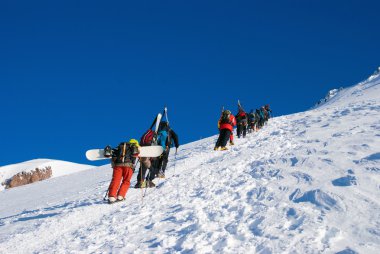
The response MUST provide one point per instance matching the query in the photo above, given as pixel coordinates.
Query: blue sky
(76, 75)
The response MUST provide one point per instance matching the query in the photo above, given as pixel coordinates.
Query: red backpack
(148, 138)
(242, 113)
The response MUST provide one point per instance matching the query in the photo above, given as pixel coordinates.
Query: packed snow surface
(305, 183)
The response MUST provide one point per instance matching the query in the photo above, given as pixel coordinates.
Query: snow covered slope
(59, 168)
(306, 183)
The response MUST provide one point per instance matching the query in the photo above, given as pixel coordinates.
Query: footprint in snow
(295, 220)
(316, 197)
(345, 112)
(276, 133)
(302, 177)
(372, 157)
(254, 226)
(347, 251)
(338, 134)
(370, 162)
(302, 133)
(344, 181)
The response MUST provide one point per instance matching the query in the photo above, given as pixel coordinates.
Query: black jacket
(172, 137)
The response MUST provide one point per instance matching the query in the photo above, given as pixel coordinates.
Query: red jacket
(230, 125)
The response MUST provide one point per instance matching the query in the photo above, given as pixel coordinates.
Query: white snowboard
(145, 151)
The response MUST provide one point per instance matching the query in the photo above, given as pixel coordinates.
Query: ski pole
(135, 165)
(175, 160)
(146, 183)
(141, 182)
(106, 194)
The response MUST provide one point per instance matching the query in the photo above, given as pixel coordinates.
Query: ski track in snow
(305, 183)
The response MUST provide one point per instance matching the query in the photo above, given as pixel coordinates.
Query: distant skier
(166, 138)
(261, 115)
(241, 121)
(226, 124)
(269, 112)
(232, 133)
(122, 160)
(251, 122)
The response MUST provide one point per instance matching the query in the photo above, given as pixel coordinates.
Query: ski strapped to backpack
(166, 114)
(150, 136)
(240, 108)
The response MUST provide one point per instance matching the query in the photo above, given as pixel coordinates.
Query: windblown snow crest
(331, 94)
(350, 92)
(305, 183)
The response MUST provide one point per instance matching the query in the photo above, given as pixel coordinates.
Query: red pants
(120, 173)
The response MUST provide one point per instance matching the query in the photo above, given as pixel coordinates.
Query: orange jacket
(230, 125)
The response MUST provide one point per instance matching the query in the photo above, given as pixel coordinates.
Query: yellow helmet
(134, 142)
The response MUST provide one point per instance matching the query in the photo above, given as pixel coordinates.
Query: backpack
(148, 138)
(225, 116)
(251, 117)
(125, 153)
(244, 121)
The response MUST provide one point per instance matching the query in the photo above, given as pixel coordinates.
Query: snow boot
(149, 184)
(111, 200)
(232, 143)
(138, 185)
(161, 174)
(120, 198)
(223, 148)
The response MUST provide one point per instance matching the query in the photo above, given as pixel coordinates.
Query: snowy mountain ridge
(59, 168)
(332, 93)
(375, 75)
(374, 79)
(306, 183)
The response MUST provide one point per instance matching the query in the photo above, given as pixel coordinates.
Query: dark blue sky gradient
(76, 75)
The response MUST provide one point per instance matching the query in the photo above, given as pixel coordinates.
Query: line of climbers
(124, 157)
(251, 122)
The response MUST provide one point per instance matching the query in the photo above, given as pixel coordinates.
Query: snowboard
(145, 151)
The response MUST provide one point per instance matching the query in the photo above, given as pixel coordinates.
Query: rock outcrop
(29, 177)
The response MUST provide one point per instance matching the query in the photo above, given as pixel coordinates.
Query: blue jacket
(162, 136)
(262, 114)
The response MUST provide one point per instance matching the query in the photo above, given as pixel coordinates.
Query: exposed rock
(29, 177)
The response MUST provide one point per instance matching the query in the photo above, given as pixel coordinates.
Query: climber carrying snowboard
(123, 158)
